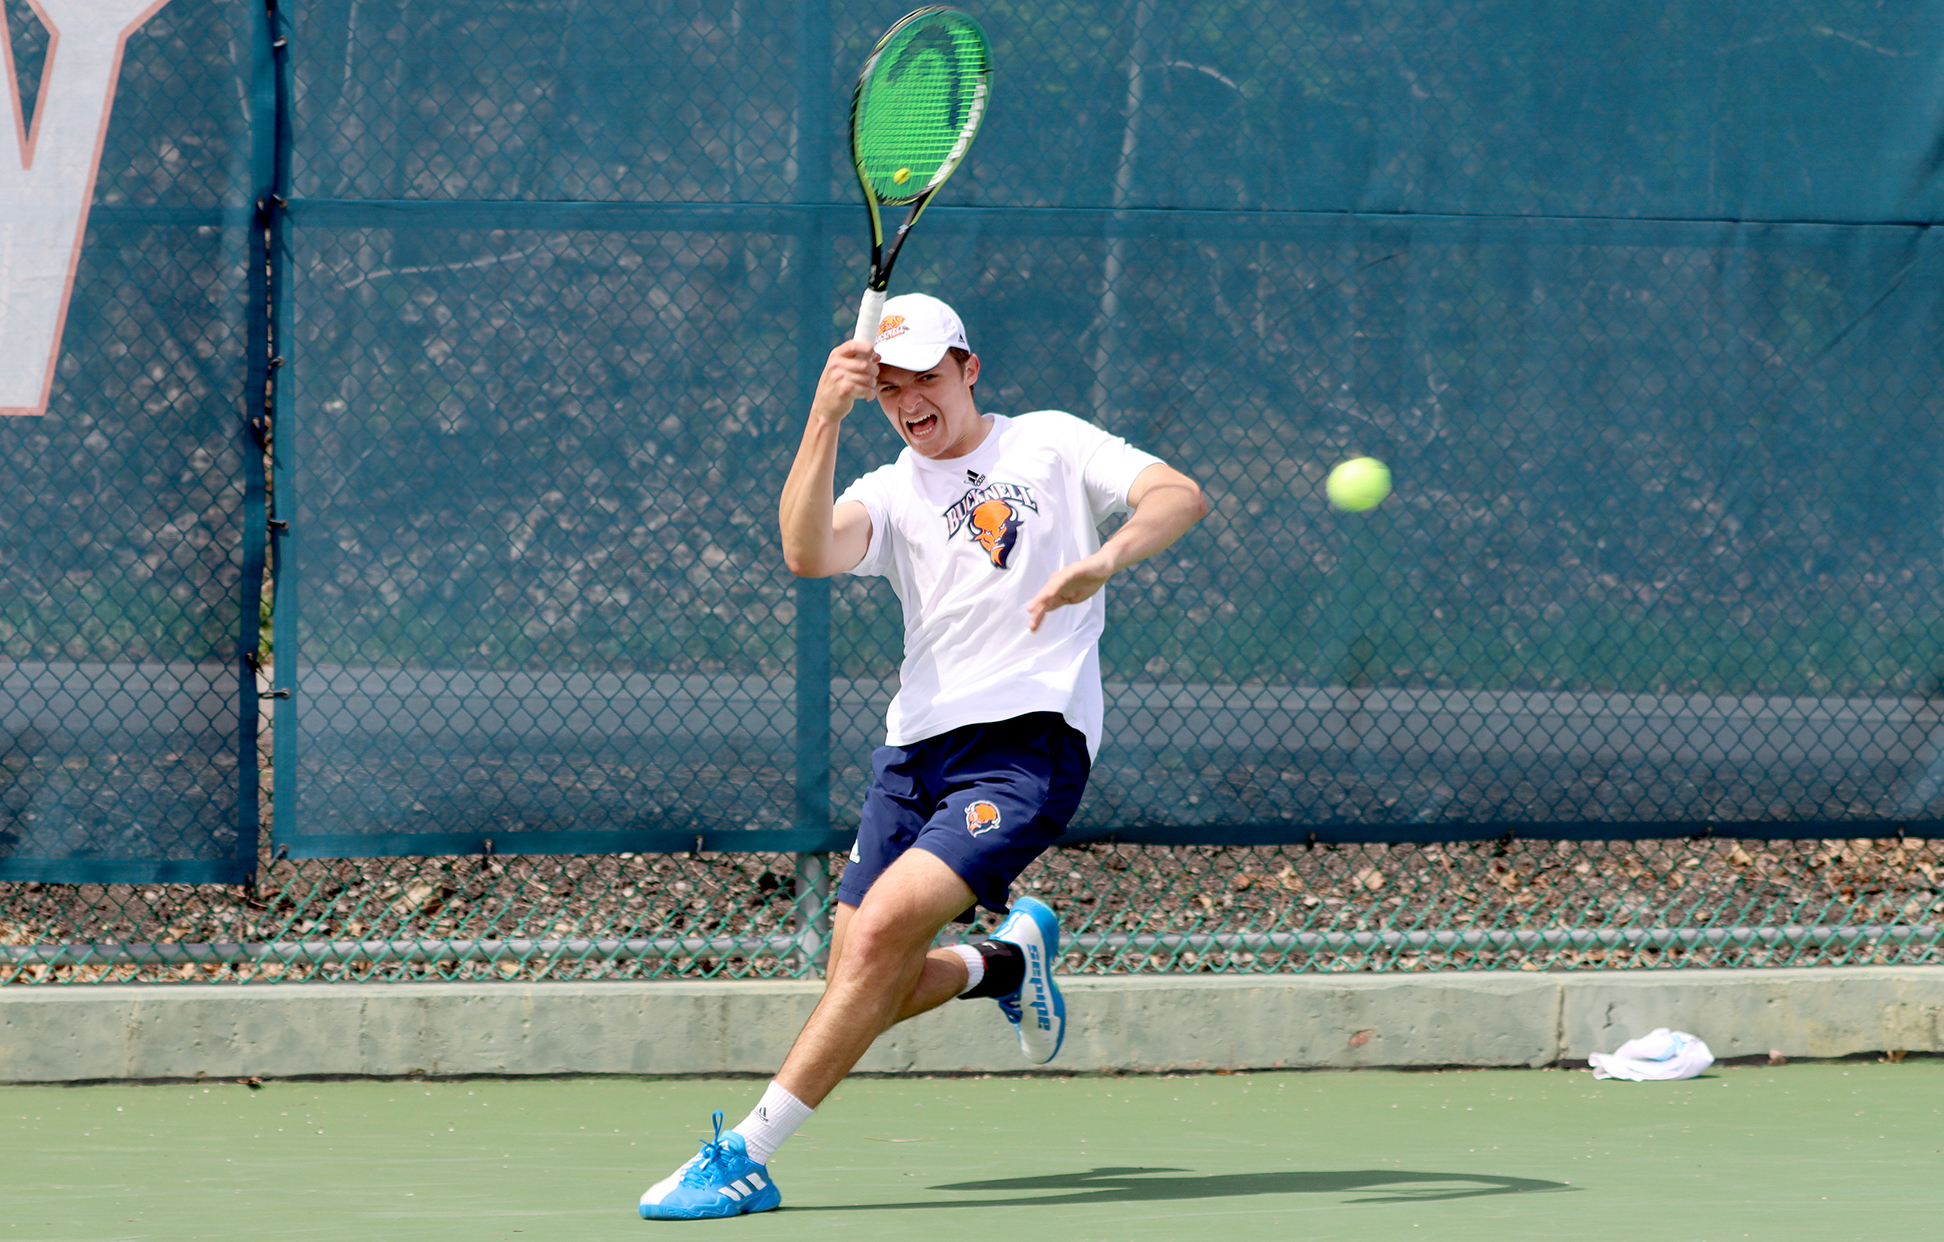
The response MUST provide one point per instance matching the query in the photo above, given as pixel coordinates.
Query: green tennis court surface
(1796, 1152)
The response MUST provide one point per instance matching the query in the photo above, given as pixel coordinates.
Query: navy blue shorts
(987, 799)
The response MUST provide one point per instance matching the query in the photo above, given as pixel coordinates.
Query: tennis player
(987, 528)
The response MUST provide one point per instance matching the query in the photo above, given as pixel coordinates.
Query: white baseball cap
(916, 331)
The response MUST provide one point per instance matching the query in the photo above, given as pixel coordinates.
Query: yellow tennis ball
(901, 176)
(1358, 484)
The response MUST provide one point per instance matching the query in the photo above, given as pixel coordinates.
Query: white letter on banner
(44, 195)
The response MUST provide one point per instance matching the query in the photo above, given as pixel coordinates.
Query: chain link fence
(1662, 556)
(131, 476)
(1527, 905)
(1640, 314)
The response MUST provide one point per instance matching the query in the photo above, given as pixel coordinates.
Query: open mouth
(919, 428)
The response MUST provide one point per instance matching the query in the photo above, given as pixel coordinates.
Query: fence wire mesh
(1663, 550)
(1526, 905)
(1650, 352)
(129, 560)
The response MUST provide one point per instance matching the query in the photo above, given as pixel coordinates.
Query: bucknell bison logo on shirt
(991, 516)
(981, 817)
(995, 526)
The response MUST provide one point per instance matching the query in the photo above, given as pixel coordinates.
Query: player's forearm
(1166, 512)
(809, 501)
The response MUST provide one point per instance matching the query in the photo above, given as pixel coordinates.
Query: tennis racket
(916, 108)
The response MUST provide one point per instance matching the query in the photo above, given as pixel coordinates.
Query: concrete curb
(1138, 1023)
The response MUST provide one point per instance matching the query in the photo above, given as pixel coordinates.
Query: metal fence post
(812, 596)
(813, 766)
(813, 911)
(267, 131)
(280, 444)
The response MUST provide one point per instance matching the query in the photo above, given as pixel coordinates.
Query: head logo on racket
(914, 112)
(981, 817)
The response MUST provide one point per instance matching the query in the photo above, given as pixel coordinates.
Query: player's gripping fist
(849, 376)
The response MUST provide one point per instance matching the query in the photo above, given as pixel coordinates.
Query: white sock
(974, 966)
(771, 1123)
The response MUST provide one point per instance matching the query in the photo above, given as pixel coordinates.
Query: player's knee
(875, 942)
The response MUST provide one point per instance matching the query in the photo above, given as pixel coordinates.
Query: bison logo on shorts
(995, 526)
(981, 817)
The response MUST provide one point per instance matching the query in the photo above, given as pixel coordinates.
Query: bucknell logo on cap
(916, 330)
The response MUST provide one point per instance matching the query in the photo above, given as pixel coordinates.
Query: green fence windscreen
(130, 485)
(1638, 303)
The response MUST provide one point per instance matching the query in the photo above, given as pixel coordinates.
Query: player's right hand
(850, 375)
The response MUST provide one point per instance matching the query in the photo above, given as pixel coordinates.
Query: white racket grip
(870, 313)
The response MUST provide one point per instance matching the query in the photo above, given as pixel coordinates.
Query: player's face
(933, 410)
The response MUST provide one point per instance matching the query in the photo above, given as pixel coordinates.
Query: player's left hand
(1072, 584)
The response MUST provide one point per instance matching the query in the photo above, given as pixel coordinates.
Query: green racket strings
(918, 106)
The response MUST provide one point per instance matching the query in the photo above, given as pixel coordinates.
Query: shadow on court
(1124, 1185)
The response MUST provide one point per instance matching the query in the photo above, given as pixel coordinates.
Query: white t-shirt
(967, 542)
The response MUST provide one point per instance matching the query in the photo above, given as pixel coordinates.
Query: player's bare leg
(943, 978)
(882, 971)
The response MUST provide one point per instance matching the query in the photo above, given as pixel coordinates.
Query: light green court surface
(1797, 1153)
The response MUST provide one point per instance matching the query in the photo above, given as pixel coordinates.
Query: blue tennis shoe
(720, 1180)
(1037, 1010)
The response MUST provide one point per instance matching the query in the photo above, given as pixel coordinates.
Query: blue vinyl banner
(1638, 303)
(129, 566)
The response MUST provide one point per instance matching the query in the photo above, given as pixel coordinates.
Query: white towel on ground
(1661, 1054)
